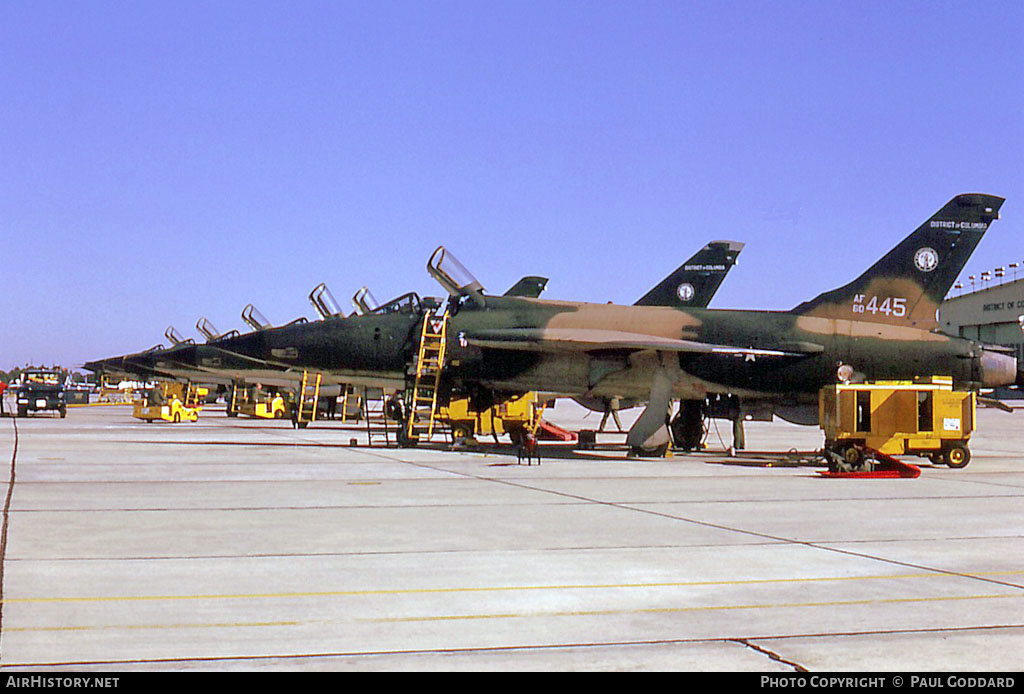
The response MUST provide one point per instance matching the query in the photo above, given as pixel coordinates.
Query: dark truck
(41, 390)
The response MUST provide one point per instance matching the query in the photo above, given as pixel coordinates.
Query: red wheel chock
(885, 467)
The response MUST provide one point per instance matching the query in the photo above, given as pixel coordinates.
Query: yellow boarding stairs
(422, 411)
(308, 399)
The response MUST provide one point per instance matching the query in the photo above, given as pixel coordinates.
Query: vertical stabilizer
(693, 283)
(529, 287)
(907, 285)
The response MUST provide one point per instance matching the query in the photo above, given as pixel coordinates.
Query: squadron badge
(926, 259)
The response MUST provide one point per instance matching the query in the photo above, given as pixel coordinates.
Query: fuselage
(809, 351)
(788, 357)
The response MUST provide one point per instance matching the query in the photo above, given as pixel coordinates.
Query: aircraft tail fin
(907, 285)
(693, 283)
(529, 287)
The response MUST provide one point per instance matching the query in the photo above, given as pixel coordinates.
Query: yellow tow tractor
(255, 402)
(924, 417)
(171, 402)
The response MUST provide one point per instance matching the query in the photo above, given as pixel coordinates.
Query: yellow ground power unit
(926, 418)
(515, 417)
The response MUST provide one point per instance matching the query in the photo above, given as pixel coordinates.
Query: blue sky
(163, 162)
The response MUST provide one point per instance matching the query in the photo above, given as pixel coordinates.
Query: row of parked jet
(668, 346)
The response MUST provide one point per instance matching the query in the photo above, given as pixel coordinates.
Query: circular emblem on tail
(685, 291)
(926, 259)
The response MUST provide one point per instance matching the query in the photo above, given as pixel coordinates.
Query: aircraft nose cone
(998, 369)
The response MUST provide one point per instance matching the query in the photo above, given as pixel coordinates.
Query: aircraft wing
(586, 340)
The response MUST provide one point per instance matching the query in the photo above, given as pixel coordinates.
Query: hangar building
(993, 315)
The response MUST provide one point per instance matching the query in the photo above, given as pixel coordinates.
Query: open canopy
(452, 275)
(323, 301)
(174, 337)
(364, 301)
(255, 319)
(204, 326)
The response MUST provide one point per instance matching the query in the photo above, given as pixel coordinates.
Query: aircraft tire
(656, 452)
(22, 411)
(177, 417)
(687, 427)
(852, 457)
(957, 456)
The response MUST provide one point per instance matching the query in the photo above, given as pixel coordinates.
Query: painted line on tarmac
(485, 589)
(183, 625)
(6, 525)
(702, 608)
(520, 615)
(636, 508)
(512, 649)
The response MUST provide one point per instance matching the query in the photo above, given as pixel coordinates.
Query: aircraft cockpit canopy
(210, 333)
(205, 327)
(324, 303)
(364, 302)
(452, 275)
(407, 303)
(255, 319)
(175, 338)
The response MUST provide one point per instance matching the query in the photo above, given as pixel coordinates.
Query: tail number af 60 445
(890, 305)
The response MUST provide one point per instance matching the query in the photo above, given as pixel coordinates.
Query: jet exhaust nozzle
(998, 369)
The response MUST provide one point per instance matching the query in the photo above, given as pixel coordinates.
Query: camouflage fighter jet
(691, 285)
(374, 346)
(880, 326)
(371, 348)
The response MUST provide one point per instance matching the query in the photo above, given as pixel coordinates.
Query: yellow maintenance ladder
(350, 400)
(308, 399)
(422, 411)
